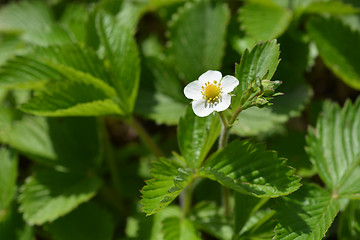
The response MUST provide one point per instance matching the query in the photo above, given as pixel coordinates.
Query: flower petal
(228, 83)
(200, 109)
(224, 103)
(210, 76)
(193, 90)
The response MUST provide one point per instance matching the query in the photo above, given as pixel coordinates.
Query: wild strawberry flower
(210, 92)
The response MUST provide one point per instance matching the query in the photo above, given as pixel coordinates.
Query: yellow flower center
(211, 91)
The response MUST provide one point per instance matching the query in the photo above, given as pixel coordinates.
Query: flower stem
(145, 137)
(186, 198)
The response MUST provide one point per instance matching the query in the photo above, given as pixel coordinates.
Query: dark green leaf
(305, 214)
(88, 221)
(176, 228)
(197, 38)
(248, 168)
(338, 52)
(349, 227)
(49, 194)
(196, 136)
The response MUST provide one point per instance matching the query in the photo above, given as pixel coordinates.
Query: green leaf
(197, 38)
(349, 227)
(261, 62)
(88, 221)
(248, 168)
(305, 214)
(338, 52)
(334, 147)
(49, 194)
(9, 46)
(8, 175)
(12, 226)
(208, 217)
(264, 19)
(331, 7)
(176, 228)
(79, 94)
(52, 35)
(196, 136)
(122, 54)
(169, 179)
(25, 16)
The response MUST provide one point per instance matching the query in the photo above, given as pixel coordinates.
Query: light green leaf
(334, 148)
(9, 46)
(75, 17)
(49, 194)
(349, 227)
(159, 107)
(25, 16)
(331, 7)
(176, 228)
(305, 214)
(12, 226)
(248, 168)
(52, 35)
(260, 62)
(208, 217)
(196, 137)
(197, 38)
(8, 175)
(122, 54)
(88, 221)
(264, 19)
(169, 179)
(338, 52)
(79, 94)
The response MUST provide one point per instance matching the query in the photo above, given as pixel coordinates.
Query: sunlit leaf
(305, 214)
(176, 228)
(196, 136)
(248, 168)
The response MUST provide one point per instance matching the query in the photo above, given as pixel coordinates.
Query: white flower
(210, 92)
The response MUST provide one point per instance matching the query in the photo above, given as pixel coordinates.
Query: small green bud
(261, 102)
(269, 87)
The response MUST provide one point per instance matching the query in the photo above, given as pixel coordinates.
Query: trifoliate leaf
(306, 214)
(338, 52)
(196, 136)
(79, 94)
(169, 179)
(8, 175)
(197, 38)
(248, 168)
(25, 16)
(122, 54)
(334, 148)
(49, 194)
(175, 228)
(87, 221)
(264, 19)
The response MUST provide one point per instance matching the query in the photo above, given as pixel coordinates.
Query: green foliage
(337, 52)
(306, 214)
(257, 172)
(8, 174)
(106, 79)
(264, 19)
(167, 183)
(197, 38)
(88, 220)
(333, 148)
(49, 194)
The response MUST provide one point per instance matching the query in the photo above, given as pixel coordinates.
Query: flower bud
(269, 87)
